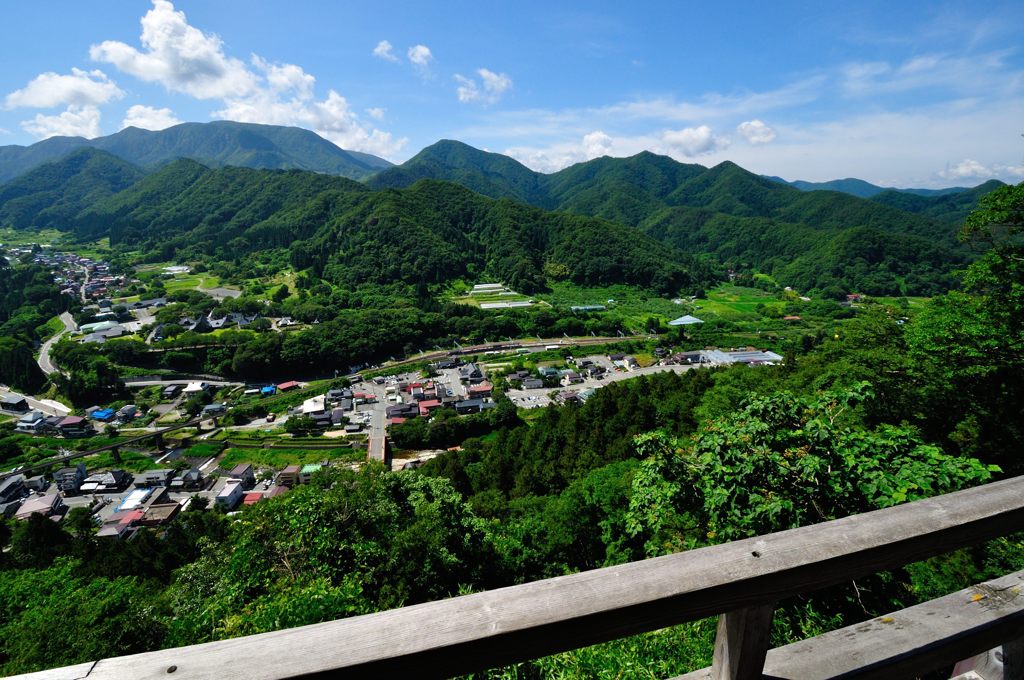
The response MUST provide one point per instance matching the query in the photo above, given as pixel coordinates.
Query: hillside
(744, 220)
(950, 208)
(54, 193)
(215, 143)
(431, 232)
(860, 188)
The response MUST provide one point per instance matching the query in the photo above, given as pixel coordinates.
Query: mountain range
(214, 144)
(453, 210)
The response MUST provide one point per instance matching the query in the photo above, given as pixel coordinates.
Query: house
(244, 473)
(685, 321)
(268, 391)
(121, 524)
(37, 483)
(159, 514)
(171, 391)
(289, 476)
(471, 373)
(231, 495)
(69, 480)
(137, 499)
(12, 488)
(314, 405)
(446, 364)
(289, 385)
(519, 375)
(403, 411)
(338, 416)
(572, 378)
(533, 384)
(480, 391)
(428, 406)
(322, 419)
(188, 480)
(567, 398)
(353, 428)
(468, 406)
(103, 414)
(307, 472)
(105, 482)
(214, 410)
(47, 506)
(194, 388)
(345, 405)
(547, 371)
(252, 498)
(32, 422)
(128, 412)
(152, 478)
(14, 403)
(74, 426)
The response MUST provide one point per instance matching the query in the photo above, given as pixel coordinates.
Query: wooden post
(742, 643)
(1013, 659)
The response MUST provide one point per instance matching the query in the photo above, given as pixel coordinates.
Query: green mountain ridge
(215, 143)
(431, 232)
(743, 219)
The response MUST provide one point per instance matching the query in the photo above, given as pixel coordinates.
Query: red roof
(288, 385)
(131, 516)
(482, 387)
(396, 421)
(252, 497)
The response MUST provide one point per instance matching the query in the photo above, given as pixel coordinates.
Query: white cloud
(377, 113)
(557, 156)
(420, 56)
(331, 118)
(966, 169)
(982, 73)
(75, 121)
(756, 132)
(149, 118)
(488, 91)
(694, 141)
(286, 78)
(384, 50)
(179, 56)
(80, 88)
(185, 59)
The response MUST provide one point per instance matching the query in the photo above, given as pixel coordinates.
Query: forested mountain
(52, 194)
(950, 208)
(806, 239)
(431, 232)
(490, 174)
(215, 143)
(860, 188)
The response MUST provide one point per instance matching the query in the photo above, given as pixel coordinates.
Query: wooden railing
(739, 581)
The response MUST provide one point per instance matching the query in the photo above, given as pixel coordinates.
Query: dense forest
(419, 223)
(881, 413)
(28, 299)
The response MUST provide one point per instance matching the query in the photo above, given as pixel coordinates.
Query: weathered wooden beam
(76, 672)
(741, 643)
(508, 625)
(908, 643)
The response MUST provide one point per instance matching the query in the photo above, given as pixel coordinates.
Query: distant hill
(861, 188)
(431, 232)
(951, 207)
(52, 194)
(743, 219)
(216, 143)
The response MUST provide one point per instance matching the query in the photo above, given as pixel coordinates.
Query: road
(49, 407)
(180, 381)
(46, 365)
(539, 398)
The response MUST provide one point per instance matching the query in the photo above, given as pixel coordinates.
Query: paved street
(47, 406)
(539, 398)
(45, 363)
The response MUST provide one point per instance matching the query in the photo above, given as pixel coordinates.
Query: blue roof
(103, 414)
(270, 389)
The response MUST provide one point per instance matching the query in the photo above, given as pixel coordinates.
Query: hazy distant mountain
(858, 187)
(214, 144)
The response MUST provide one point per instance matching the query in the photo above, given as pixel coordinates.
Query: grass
(130, 460)
(24, 237)
(50, 328)
(734, 303)
(279, 458)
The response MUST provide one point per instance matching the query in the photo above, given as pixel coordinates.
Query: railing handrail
(517, 623)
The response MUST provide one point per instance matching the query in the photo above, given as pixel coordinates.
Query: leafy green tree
(784, 461)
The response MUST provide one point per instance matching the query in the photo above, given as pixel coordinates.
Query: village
(354, 415)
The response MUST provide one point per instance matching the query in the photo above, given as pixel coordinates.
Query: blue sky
(898, 93)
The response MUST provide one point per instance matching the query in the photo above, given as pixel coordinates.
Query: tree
(784, 461)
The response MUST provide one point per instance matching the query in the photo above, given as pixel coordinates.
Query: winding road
(46, 365)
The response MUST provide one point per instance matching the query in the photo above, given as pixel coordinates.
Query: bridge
(158, 435)
(739, 581)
